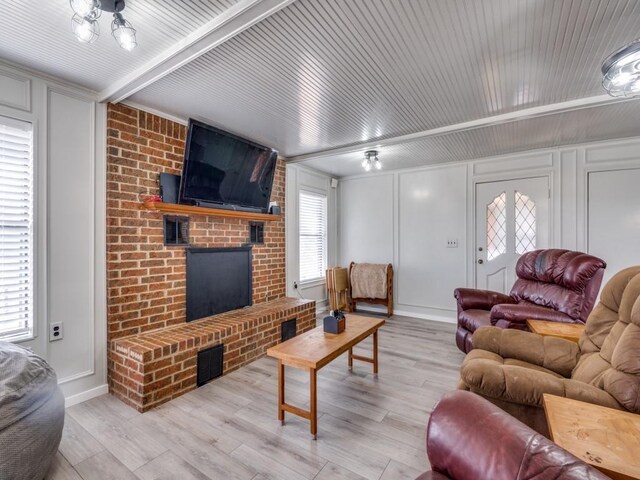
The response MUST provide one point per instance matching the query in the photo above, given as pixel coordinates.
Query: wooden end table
(568, 331)
(606, 438)
(313, 350)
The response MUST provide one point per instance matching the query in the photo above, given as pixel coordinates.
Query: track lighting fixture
(85, 26)
(371, 160)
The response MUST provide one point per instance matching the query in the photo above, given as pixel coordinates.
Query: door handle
(480, 261)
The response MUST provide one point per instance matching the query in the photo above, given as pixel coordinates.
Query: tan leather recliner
(513, 369)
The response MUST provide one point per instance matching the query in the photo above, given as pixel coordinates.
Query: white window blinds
(16, 229)
(313, 235)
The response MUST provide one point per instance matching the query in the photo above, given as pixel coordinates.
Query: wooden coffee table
(313, 350)
(606, 438)
(568, 331)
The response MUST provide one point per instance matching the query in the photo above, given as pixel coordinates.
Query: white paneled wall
(367, 219)
(614, 217)
(431, 210)
(406, 216)
(69, 160)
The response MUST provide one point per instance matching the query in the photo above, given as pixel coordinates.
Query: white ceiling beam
(228, 24)
(532, 112)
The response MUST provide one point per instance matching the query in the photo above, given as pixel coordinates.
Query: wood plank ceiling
(321, 75)
(37, 35)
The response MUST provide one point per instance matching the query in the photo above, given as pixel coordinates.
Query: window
(525, 223)
(313, 235)
(16, 229)
(497, 227)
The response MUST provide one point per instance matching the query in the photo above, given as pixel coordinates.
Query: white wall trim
(86, 395)
(92, 141)
(21, 70)
(100, 238)
(406, 313)
(585, 167)
(25, 105)
(526, 113)
(79, 375)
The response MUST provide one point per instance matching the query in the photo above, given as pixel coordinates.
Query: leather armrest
(519, 313)
(555, 354)
(470, 438)
(471, 298)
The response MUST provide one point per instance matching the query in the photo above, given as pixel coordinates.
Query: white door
(512, 217)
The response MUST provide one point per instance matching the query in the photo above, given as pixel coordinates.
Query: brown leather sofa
(556, 285)
(468, 438)
(513, 369)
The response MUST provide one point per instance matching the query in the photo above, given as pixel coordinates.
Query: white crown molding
(21, 70)
(533, 112)
(225, 26)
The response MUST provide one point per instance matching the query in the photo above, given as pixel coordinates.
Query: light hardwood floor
(368, 427)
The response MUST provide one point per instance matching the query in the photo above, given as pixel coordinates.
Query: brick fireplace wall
(146, 279)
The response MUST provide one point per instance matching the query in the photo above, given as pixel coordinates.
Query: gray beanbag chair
(31, 414)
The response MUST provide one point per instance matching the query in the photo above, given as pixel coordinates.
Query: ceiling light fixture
(621, 71)
(85, 26)
(371, 160)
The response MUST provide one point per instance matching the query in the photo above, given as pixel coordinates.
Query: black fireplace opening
(288, 329)
(210, 364)
(218, 280)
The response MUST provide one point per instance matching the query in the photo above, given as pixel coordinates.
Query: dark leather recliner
(554, 284)
(469, 438)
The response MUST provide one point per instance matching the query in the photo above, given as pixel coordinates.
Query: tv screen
(222, 169)
(218, 280)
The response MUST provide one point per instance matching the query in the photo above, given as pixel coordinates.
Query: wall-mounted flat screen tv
(223, 170)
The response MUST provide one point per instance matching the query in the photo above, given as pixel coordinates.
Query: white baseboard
(426, 316)
(86, 395)
(404, 313)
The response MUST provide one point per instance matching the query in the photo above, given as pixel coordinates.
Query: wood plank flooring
(368, 427)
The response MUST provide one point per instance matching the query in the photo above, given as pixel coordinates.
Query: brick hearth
(154, 367)
(147, 280)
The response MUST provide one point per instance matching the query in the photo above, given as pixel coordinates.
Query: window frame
(321, 278)
(32, 333)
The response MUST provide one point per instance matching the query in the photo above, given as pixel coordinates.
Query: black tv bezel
(185, 169)
(192, 251)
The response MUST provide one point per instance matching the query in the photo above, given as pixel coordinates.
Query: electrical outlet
(295, 285)
(55, 331)
(452, 243)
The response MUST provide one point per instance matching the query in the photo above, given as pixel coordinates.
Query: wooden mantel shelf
(213, 212)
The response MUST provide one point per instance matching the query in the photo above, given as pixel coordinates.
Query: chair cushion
(556, 279)
(566, 268)
(474, 319)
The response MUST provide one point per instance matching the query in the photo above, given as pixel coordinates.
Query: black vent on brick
(176, 230)
(209, 364)
(288, 329)
(256, 232)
